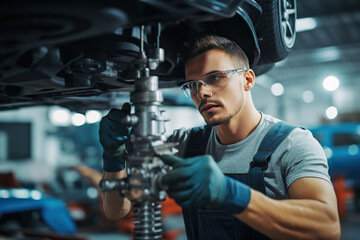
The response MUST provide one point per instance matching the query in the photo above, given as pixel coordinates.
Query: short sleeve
(304, 158)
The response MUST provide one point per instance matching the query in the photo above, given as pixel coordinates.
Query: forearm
(89, 173)
(291, 219)
(115, 206)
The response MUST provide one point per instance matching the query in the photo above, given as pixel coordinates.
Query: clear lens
(213, 79)
(191, 87)
(185, 89)
(187, 92)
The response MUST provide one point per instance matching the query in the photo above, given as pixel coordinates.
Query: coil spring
(147, 221)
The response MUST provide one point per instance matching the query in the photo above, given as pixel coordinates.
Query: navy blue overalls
(209, 224)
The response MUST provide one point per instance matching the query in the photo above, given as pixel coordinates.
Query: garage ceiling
(337, 23)
(332, 48)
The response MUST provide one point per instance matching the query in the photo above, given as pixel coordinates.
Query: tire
(263, 68)
(276, 29)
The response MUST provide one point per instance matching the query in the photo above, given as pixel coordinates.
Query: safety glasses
(211, 80)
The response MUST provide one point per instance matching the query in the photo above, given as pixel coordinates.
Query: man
(291, 196)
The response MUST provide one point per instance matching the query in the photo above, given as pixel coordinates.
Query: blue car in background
(341, 143)
(22, 209)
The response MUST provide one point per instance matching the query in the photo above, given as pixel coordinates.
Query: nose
(203, 91)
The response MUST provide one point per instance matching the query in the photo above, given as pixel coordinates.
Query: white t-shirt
(299, 155)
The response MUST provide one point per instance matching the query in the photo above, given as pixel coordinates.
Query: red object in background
(169, 207)
(342, 194)
(8, 180)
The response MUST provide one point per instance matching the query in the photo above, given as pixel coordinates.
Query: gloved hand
(113, 136)
(198, 181)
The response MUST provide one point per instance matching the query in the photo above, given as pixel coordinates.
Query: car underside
(77, 53)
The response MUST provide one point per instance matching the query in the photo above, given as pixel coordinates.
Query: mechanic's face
(217, 105)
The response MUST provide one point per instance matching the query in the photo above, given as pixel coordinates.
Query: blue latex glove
(113, 136)
(198, 181)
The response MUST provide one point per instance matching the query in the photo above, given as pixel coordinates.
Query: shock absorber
(144, 168)
(147, 221)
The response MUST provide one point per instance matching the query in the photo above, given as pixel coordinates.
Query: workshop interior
(65, 64)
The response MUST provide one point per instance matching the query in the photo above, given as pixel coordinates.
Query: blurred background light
(306, 24)
(353, 149)
(331, 112)
(20, 193)
(78, 119)
(92, 193)
(308, 96)
(60, 116)
(4, 194)
(36, 195)
(78, 214)
(331, 83)
(328, 152)
(92, 116)
(326, 54)
(277, 89)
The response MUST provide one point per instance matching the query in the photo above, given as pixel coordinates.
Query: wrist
(237, 196)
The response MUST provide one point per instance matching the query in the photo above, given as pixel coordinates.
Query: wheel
(263, 68)
(276, 29)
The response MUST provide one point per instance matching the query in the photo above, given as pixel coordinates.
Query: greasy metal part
(147, 140)
(147, 221)
(112, 185)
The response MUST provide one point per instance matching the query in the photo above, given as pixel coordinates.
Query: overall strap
(277, 133)
(198, 140)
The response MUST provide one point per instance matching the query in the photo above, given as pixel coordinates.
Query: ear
(249, 79)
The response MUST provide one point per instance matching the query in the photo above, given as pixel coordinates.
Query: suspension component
(144, 168)
(147, 221)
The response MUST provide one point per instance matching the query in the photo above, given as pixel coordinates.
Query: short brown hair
(210, 42)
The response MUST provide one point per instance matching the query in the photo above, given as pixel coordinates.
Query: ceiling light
(306, 24)
(78, 119)
(326, 54)
(308, 96)
(277, 89)
(92, 116)
(331, 112)
(59, 116)
(331, 83)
